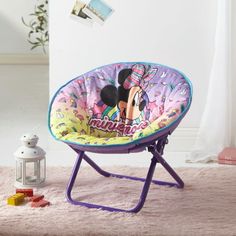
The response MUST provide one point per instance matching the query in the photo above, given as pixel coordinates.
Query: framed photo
(79, 15)
(98, 10)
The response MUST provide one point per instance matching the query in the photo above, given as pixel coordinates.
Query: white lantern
(30, 163)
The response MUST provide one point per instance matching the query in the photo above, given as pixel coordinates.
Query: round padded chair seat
(119, 105)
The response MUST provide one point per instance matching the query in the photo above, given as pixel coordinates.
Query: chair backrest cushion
(120, 100)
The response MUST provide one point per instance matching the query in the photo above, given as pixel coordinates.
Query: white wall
(23, 104)
(176, 33)
(233, 27)
(24, 81)
(13, 34)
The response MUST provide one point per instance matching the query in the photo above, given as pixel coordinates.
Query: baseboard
(182, 139)
(24, 59)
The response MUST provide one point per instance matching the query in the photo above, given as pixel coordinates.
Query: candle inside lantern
(30, 163)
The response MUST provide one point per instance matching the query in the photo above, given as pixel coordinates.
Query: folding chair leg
(137, 208)
(147, 181)
(161, 160)
(108, 174)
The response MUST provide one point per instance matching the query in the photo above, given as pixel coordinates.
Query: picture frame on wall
(98, 10)
(78, 14)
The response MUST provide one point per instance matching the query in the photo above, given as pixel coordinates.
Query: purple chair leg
(161, 160)
(157, 158)
(108, 174)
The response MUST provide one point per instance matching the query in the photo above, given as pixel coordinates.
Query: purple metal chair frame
(154, 142)
(155, 148)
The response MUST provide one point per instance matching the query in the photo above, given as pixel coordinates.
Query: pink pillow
(227, 156)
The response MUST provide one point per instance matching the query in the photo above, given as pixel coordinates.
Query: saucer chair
(121, 108)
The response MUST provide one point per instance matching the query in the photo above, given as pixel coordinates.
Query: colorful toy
(40, 203)
(121, 108)
(16, 199)
(27, 192)
(36, 198)
(30, 159)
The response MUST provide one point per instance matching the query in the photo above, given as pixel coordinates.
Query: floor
(204, 207)
(24, 107)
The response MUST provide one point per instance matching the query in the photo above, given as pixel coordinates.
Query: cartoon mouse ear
(109, 95)
(123, 74)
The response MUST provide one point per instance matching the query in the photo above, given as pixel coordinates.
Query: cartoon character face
(135, 104)
(130, 101)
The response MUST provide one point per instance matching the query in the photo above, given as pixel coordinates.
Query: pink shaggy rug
(207, 205)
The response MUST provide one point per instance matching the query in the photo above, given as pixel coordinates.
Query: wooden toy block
(40, 203)
(16, 199)
(27, 192)
(36, 198)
